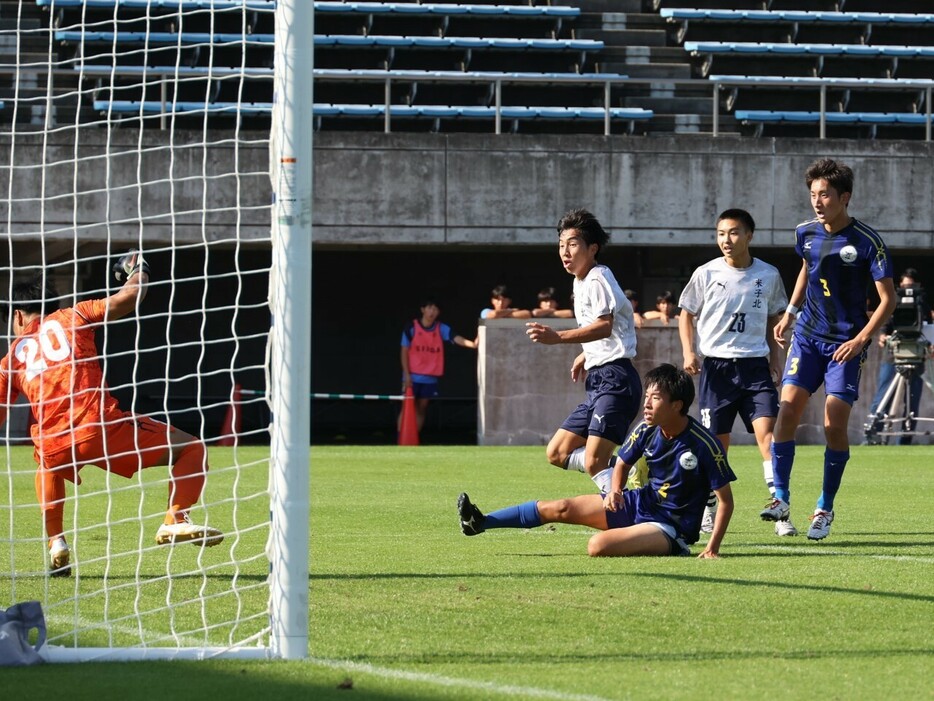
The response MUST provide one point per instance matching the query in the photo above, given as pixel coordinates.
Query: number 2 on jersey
(49, 344)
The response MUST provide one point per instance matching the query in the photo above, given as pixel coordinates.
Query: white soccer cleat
(59, 558)
(775, 510)
(710, 514)
(820, 524)
(785, 527)
(188, 532)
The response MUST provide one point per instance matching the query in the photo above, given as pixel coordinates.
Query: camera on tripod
(907, 342)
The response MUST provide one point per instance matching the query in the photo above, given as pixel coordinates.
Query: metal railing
(716, 84)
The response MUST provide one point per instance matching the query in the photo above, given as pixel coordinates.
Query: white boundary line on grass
(454, 682)
(818, 550)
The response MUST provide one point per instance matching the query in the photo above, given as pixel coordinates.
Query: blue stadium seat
(447, 9)
(775, 116)
(338, 73)
(811, 81)
(154, 107)
(165, 4)
(752, 47)
(334, 7)
(346, 40)
(442, 111)
(796, 16)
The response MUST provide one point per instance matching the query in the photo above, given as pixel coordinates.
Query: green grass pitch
(405, 607)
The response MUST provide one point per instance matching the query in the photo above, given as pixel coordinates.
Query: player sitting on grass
(685, 461)
(53, 360)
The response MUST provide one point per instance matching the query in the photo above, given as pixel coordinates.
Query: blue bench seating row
(814, 82)
(165, 4)
(326, 40)
(776, 116)
(347, 73)
(354, 110)
(752, 47)
(409, 8)
(673, 14)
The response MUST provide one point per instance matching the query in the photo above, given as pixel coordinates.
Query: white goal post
(181, 129)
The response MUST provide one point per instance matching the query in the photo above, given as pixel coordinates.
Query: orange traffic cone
(408, 426)
(230, 429)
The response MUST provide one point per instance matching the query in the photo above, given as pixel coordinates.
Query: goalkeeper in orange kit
(53, 360)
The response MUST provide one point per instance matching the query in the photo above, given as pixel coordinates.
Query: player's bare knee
(555, 456)
(558, 510)
(596, 546)
(594, 464)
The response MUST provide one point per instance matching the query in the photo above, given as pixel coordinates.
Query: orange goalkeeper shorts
(124, 447)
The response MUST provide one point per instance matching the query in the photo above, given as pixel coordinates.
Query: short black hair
(428, 301)
(35, 296)
(666, 296)
(677, 384)
(547, 294)
(500, 291)
(740, 215)
(838, 175)
(912, 273)
(587, 227)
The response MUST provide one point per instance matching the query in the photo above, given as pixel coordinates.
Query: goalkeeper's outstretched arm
(133, 271)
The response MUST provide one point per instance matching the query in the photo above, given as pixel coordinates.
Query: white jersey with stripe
(732, 306)
(598, 294)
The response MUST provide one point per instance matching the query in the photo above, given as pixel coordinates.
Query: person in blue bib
(840, 257)
(663, 517)
(422, 356)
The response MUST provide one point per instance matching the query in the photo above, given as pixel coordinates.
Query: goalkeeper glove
(130, 264)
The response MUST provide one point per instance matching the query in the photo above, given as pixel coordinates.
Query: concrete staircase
(640, 44)
(24, 41)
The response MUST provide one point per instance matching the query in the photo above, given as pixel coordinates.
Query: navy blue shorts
(731, 386)
(636, 509)
(614, 395)
(810, 363)
(425, 390)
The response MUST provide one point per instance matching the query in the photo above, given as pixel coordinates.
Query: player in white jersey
(606, 330)
(736, 300)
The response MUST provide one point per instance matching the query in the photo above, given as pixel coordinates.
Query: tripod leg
(892, 407)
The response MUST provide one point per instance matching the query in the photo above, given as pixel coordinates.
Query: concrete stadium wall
(526, 390)
(457, 189)
(373, 189)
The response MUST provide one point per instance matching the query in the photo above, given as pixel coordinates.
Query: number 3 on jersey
(49, 344)
(793, 366)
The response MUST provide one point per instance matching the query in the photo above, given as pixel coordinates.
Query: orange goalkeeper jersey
(55, 363)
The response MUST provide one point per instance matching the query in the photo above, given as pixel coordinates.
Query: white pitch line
(505, 689)
(818, 550)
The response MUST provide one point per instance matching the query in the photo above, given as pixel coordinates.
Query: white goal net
(145, 124)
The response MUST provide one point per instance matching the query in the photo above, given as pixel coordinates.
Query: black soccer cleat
(472, 519)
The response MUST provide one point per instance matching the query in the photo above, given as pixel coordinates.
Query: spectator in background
(665, 308)
(548, 306)
(501, 306)
(887, 364)
(422, 356)
(633, 298)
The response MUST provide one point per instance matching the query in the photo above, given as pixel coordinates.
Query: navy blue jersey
(682, 471)
(840, 268)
